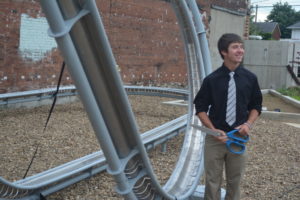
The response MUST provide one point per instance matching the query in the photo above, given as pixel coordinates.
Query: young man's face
(235, 53)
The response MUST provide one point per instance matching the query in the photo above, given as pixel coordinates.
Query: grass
(293, 92)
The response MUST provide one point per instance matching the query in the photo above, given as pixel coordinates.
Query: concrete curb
(281, 116)
(287, 99)
(272, 115)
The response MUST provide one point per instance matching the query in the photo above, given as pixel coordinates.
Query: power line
(257, 6)
(259, 1)
(273, 6)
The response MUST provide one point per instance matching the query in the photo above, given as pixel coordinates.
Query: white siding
(296, 34)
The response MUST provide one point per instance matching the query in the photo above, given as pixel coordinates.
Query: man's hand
(223, 137)
(244, 129)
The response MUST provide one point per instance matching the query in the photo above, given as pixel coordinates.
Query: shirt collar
(227, 71)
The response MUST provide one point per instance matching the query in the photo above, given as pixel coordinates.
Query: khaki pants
(215, 156)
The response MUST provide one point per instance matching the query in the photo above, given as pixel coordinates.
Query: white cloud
(263, 12)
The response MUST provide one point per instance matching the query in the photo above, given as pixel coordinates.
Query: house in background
(295, 31)
(268, 28)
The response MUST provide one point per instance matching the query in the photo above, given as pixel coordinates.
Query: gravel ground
(273, 170)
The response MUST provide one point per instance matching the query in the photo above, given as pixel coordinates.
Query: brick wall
(146, 41)
(19, 70)
(144, 36)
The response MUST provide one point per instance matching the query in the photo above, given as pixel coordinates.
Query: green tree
(253, 29)
(266, 36)
(285, 16)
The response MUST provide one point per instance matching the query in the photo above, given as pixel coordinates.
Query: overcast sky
(262, 13)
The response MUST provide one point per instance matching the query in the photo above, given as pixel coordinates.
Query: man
(223, 111)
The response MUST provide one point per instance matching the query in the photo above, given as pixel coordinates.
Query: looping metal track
(80, 35)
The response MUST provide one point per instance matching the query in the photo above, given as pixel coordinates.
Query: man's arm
(244, 129)
(254, 108)
(207, 122)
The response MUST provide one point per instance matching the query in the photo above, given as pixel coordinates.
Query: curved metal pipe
(80, 35)
(74, 62)
(202, 37)
(189, 168)
(103, 78)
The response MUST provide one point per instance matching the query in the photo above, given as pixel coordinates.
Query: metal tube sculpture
(77, 27)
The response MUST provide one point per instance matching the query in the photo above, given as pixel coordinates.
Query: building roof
(266, 27)
(294, 26)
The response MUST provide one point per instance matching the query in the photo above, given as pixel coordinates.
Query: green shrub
(293, 92)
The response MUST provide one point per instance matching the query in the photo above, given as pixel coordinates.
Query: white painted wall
(34, 39)
(223, 22)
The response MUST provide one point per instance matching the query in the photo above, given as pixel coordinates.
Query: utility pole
(256, 9)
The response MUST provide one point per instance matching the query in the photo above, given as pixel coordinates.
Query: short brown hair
(226, 39)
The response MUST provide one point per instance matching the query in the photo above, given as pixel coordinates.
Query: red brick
(144, 37)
